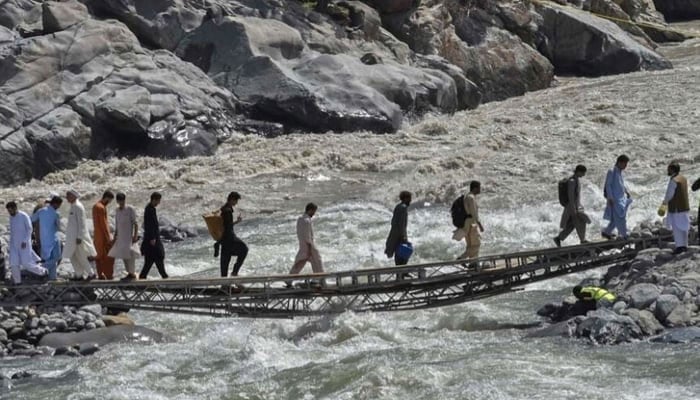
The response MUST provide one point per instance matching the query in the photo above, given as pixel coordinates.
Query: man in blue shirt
(618, 200)
(49, 225)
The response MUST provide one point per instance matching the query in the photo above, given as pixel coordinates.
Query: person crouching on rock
(678, 206)
(593, 297)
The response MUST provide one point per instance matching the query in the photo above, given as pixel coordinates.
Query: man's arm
(670, 191)
(403, 222)
(135, 231)
(80, 217)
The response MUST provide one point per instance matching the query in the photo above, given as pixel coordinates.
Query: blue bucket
(404, 250)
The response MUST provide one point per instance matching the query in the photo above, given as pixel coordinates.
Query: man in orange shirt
(103, 237)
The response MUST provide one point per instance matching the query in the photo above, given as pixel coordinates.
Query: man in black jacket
(151, 247)
(399, 225)
(231, 245)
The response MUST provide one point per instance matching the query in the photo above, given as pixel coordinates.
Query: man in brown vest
(676, 201)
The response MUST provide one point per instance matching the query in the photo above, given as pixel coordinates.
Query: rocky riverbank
(175, 78)
(68, 331)
(658, 299)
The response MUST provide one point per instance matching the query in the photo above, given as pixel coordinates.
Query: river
(518, 148)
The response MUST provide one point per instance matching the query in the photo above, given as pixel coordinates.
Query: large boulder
(582, 44)
(90, 88)
(266, 64)
(158, 23)
(604, 326)
(642, 295)
(58, 16)
(14, 12)
(102, 336)
(665, 304)
(679, 10)
(680, 335)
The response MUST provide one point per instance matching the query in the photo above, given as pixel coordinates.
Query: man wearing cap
(20, 247)
(49, 222)
(79, 247)
(678, 206)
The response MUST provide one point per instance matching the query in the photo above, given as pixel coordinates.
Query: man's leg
(241, 251)
(160, 264)
(79, 261)
(130, 265)
(473, 242)
(225, 260)
(316, 262)
(621, 225)
(608, 230)
(16, 274)
(400, 261)
(147, 264)
(580, 225)
(565, 232)
(297, 267)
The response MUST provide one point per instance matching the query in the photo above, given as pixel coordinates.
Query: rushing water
(518, 148)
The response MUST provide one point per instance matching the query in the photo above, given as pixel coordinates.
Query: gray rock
(679, 335)
(67, 351)
(560, 329)
(642, 295)
(619, 307)
(681, 315)
(3, 336)
(603, 326)
(646, 321)
(94, 309)
(665, 304)
(57, 16)
(8, 325)
(14, 12)
(579, 43)
(91, 111)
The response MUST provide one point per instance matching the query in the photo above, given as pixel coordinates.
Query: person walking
(231, 245)
(399, 229)
(126, 233)
(618, 198)
(678, 206)
(103, 237)
(78, 248)
(151, 246)
(20, 246)
(573, 216)
(49, 222)
(308, 252)
(472, 228)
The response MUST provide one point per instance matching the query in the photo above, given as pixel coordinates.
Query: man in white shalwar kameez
(126, 234)
(20, 247)
(678, 205)
(307, 248)
(78, 247)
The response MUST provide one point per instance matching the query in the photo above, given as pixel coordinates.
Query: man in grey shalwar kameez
(573, 216)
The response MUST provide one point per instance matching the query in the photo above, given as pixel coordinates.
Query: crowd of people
(93, 257)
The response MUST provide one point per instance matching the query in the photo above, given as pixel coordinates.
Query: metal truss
(409, 287)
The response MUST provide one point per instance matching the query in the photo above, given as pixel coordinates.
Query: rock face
(580, 44)
(105, 92)
(173, 78)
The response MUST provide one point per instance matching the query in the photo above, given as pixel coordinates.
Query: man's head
(622, 161)
(674, 168)
(405, 197)
(155, 199)
(232, 198)
(56, 202)
(50, 196)
(577, 291)
(475, 187)
(121, 199)
(580, 171)
(107, 197)
(72, 196)
(311, 209)
(11, 208)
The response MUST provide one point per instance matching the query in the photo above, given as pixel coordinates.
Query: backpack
(459, 214)
(215, 224)
(564, 192)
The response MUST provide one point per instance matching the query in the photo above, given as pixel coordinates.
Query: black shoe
(128, 278)
(607, 236)
(679, 250)
(557, 241)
